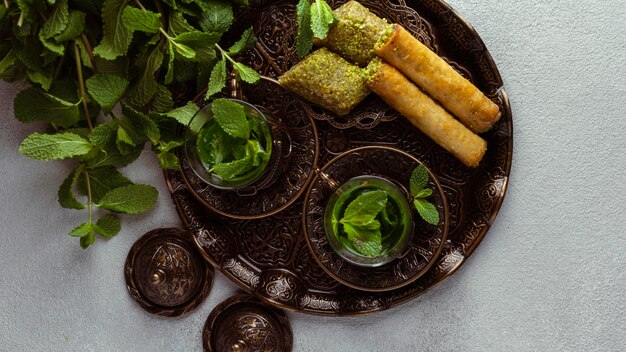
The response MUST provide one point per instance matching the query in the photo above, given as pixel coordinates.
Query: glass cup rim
(186, 140)
(395, 251)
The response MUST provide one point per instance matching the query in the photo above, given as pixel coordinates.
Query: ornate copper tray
(269, 256)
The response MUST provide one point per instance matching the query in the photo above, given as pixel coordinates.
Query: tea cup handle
(327, 179)
(247, 192)
(279, 129)
(235, 87)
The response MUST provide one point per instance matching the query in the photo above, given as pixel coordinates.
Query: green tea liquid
(395, 219)
(230, 150)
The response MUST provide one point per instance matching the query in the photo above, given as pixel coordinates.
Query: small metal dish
(166, 274)
(243, 324)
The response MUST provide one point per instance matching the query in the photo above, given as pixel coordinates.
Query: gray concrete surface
(550, 275)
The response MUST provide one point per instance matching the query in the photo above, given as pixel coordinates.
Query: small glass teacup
(263, 167)
(343, 237)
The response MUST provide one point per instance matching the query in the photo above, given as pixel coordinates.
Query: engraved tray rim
(459, 258)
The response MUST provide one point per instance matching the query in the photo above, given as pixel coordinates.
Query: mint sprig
(314, 20)
(419, 192)
(361, 225)
(217, 80)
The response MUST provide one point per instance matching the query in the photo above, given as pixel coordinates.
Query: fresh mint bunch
(419, 192)
(104, 77)
(314, 20)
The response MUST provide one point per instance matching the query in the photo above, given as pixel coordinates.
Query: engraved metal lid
(166, 274)
(243, 324)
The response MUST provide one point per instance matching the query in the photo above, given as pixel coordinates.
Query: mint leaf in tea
(369, 218)
(234, 145)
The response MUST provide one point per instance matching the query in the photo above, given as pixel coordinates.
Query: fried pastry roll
(428, 116)
(328, 80)
(435, 76)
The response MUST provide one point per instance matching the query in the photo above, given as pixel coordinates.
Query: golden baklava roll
(433, 74)
(328, 80)
(423, 112)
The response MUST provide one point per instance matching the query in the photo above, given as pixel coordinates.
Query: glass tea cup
(394, 239)
(271, 138)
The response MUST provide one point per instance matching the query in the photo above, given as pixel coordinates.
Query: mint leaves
(372, 221)
(57, 22)
(106, 89)
(66, 196)
(33, 105)
(104, 188)
(365, 207)
(117, 36)
(230, 116)
(141, 20)
(131, 199)
(304, 38)
(232, 144)
(217, 80)
(108, 226)
(417, 184)
(361, 222)
(322, 18)
(314, 20)
(82, 60)
(55, 146)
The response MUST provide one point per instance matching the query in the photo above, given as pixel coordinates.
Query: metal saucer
(166, 274)
(243, 324)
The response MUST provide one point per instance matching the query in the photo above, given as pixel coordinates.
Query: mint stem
(89, 198)
(165, 34)
(140, 5)
(202, 92)
(157, 3)
(87, 45)
(57, 69)
(20, 21)
(81, 85)
(224, 54)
